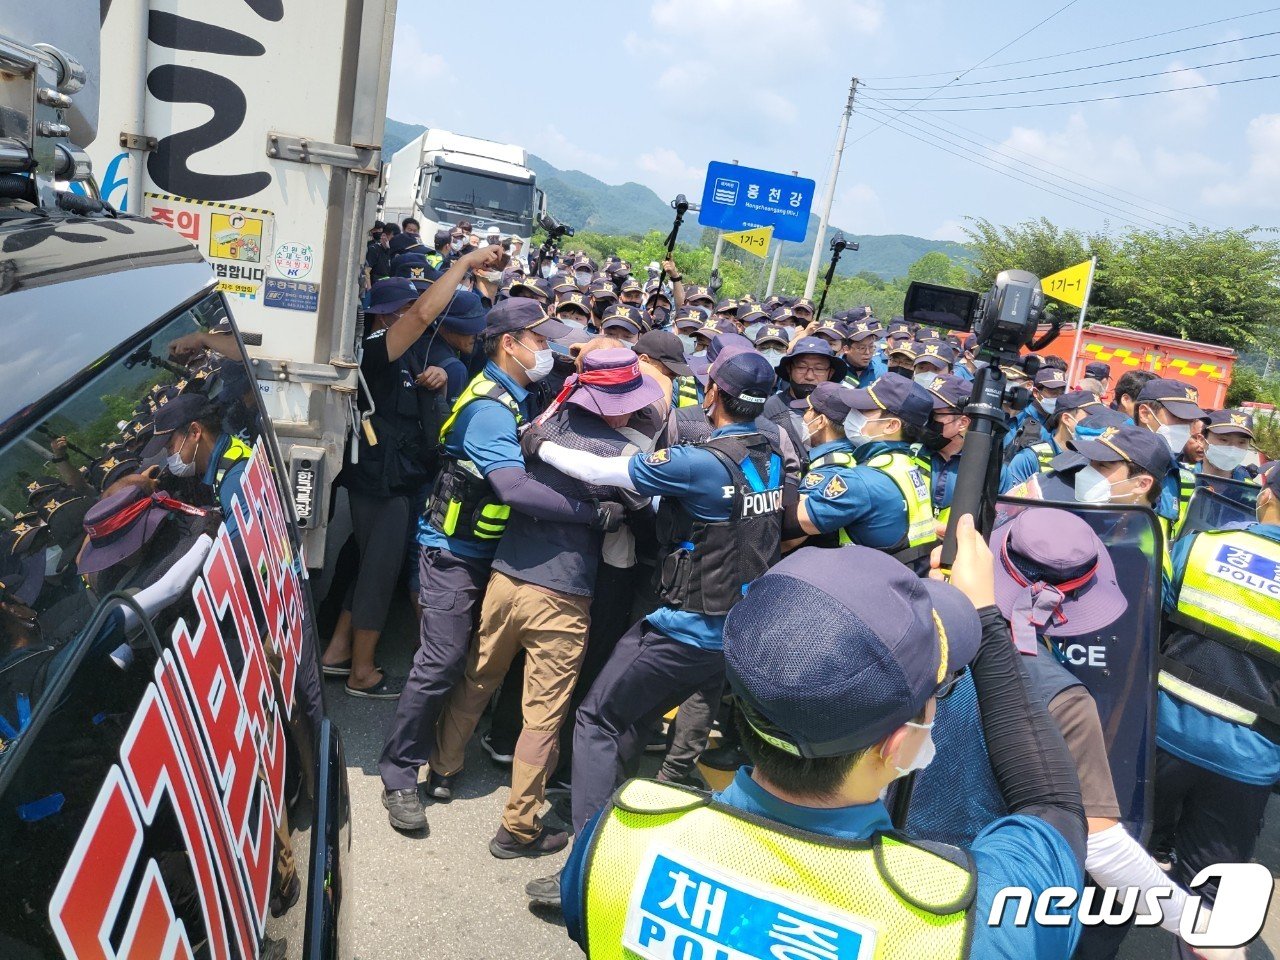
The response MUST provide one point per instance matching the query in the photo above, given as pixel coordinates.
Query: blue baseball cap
(1136, 446)
(389, 295)
(1175, 396)
(724, 342)
(897, 395)
(415, 267)
(465, 314)
(831, 651)
(831, 400)
(950, 392)
(744, 375)
(936, 353)
(768, 333)
(519, 313)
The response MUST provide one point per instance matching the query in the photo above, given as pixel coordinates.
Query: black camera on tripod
(555, 229)
(1004, 320)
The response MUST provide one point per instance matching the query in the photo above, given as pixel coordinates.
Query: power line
(1067, 103)
(1071, 198)
(913, 121)
(1093, 83)
(1068, 53)
(960, 76)
(1091, 199)
(941, 124)
(1094, 66)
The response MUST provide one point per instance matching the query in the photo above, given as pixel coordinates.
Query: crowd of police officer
(623, 496)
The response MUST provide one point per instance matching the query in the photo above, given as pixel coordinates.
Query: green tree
(937, 267)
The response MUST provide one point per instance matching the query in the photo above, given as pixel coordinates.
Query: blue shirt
(1013, 851)
(1208, 741)
(963, 372)
(875, 369)
(1239, 473)
(942, 480)
(229, 489)
(698, 480)
(485, 434)
(863, 501)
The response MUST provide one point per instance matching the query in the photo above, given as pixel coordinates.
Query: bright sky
(652, 91)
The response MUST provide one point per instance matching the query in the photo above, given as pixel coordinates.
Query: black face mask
(598, 308)
(908, 372)
(802, 390)
(932, 439)
(660, 316)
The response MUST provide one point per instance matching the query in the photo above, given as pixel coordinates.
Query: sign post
(1073, 285)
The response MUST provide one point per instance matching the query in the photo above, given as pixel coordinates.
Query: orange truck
(1207, 368)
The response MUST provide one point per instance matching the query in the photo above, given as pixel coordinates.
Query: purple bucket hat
(120, 525)
(611, 384)
(1054, 577)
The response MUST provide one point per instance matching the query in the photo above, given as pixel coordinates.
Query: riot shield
(1217, 502)
(1118, 664)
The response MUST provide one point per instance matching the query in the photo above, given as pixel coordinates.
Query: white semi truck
(440, 178)
(254, 129)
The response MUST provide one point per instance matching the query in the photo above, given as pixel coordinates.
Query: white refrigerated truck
(254, 129)
(440, 178)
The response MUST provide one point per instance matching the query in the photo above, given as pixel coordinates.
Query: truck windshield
(469, 192)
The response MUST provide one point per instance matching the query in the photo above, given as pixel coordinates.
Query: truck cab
(442, 177)
(169, 782)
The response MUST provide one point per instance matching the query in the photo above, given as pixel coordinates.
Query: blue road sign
(740, 198)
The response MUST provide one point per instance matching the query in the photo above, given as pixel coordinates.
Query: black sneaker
(440, 787)
(388, 688)
(495, 753)
(657, 740)
(545, 891)
(340, 669)
(404, 809)
(506, 847)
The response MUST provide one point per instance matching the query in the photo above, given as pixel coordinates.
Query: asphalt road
(445, 896)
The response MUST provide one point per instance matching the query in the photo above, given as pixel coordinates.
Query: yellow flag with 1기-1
(753, 241)
(1068, 285)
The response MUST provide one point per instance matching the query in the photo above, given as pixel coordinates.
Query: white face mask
(543, 360)
(773, 356)
(1222, 457)
(548, 271)
(455, 245)
(855, 425)
(924, 756)
(582, 278)
(925, 378)
(1092, 486)
(687, 342)
(1175, 435)
(1048, 404)
(179, 467)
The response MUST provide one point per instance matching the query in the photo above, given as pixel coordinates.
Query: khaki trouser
(552, 628)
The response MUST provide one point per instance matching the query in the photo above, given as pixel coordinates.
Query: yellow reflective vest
(911, 476)
(673, 873)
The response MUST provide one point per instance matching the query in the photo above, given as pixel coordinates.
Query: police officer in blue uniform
(1170, 408)
(1031, 457)
(720, 522)
(797, 841)
(883, 501)
(949, 427)
(483, 478)
(867, 363)
(1218, 722)
(808, 362)
(1228, 444)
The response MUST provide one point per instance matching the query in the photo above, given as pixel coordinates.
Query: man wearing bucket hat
(482, 481)
(1054, 580)
(720, 523)
(799, 841)
(808, 362)
(538, 599)
(885, 501)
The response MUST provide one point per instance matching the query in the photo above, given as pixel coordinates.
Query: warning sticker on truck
(232, 238)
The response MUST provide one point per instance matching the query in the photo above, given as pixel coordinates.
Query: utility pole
(777, 256)
(825, 216)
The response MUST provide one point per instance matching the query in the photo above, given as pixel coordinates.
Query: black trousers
(450, 591)
(647, 674)
(379, 525)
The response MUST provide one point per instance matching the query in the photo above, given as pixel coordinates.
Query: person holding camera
(800, 845)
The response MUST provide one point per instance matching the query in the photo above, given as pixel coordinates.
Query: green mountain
(579, 199)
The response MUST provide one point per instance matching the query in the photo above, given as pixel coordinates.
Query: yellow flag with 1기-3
(1068, 285)
(753, 241)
